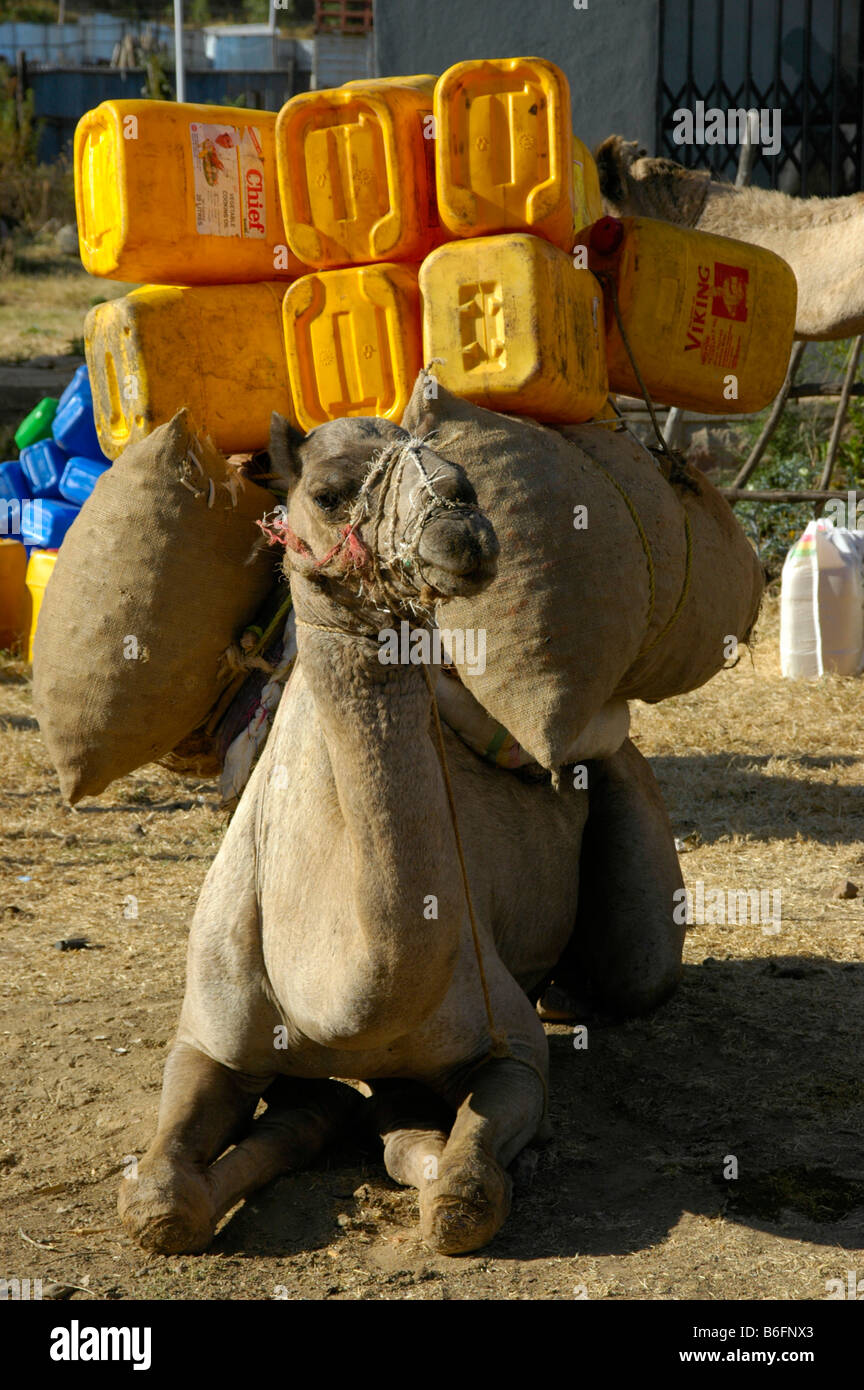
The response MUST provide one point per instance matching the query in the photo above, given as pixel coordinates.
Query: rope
(499, 1042)
(678, 474)
(682, 597)
(607, 279)
(637, 522)
(396, 577)
(277, 621)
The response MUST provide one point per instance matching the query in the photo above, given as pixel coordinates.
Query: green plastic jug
(37, 425)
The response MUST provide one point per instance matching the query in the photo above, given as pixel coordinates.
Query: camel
(821, 238)
(332, 937)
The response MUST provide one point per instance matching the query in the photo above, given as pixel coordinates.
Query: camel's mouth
(439, 585)
(458, 554)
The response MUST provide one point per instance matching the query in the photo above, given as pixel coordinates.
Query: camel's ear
(284, 443)
(613, 158)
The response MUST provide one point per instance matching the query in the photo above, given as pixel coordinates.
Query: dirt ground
(758, 1059)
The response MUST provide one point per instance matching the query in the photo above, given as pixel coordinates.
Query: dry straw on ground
(758, 1057)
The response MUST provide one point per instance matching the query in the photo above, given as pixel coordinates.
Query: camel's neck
(407, 896)
(821, 238)
(768, 208)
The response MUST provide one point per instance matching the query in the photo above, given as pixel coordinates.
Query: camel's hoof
(466, 1206)
(170, 1215)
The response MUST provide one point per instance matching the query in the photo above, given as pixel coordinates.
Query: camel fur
(331, 937)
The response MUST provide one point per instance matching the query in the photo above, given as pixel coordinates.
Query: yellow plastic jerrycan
(217, 349)
(504, 152)
(357, 173)
(353, 342)
(13, 594)
(177, 193)
(517, 327)
(40, 567)
(587, 200)
(709, 320)
(422, 81)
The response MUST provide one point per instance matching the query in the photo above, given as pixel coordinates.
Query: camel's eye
(334, 489)
(327, 500)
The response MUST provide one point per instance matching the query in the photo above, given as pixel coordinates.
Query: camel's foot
(183, 1187)
(561, 1004)
(468, 1203)
(168, 1209)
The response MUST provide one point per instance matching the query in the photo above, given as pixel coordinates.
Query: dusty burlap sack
(708, 578)
(586, 605)
(156, 577)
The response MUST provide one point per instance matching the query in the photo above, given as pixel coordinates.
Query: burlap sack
(154, 580)
(623, 605)
(709, 580)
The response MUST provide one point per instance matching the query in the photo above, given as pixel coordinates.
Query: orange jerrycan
(516, 326)
(217, 349)
(177, 193)
(587, 200)
(504, 153)
(356, 173)
(13, 594)
(352, 340)
(709, 320)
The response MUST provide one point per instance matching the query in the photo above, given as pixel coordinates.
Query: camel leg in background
(174, 1202)
(413, 1124)
(624, 956)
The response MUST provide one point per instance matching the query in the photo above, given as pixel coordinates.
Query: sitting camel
(821, 238)
(332, 936)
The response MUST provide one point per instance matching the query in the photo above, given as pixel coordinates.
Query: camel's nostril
(461, 546)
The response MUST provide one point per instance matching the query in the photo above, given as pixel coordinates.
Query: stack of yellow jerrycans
(310, 262)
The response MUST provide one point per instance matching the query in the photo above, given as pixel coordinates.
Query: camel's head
(633, 184)
(368, 503)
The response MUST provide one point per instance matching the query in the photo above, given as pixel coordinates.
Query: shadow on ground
(737, 796)
(754, 1061)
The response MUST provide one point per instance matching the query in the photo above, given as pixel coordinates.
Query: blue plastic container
(80, 476)
(47, 523)
(14, 492)
(80, 382)
(73, 426)
(13, 486)
(42, 465)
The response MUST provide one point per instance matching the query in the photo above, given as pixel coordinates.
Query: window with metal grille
(804, 59)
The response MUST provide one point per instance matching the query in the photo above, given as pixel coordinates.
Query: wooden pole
(179, 69)
(747, 156)
(20, 88)
(842, 408)
(771, 423)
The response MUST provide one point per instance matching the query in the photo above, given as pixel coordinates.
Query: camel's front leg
(174, 1201)
(467, 1200)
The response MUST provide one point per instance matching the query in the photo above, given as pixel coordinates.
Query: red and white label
(228, 173)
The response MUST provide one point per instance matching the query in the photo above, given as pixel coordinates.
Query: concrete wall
(608, 51)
